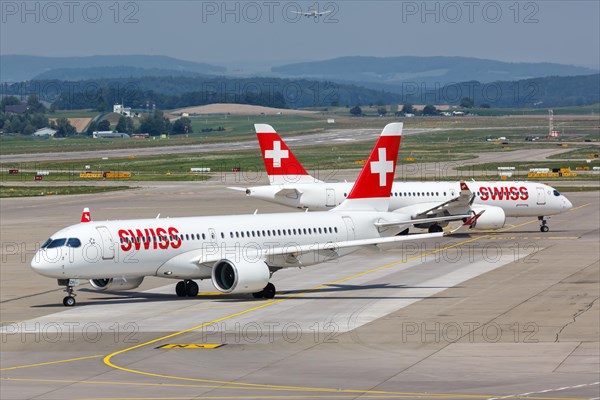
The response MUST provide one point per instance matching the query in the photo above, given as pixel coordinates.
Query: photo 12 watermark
(70, 12)
(471, 12)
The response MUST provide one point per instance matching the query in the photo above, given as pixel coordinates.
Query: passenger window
(335, 229)
(222, 235)
(73, 242)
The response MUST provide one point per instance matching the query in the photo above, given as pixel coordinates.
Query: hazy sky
(255, 33)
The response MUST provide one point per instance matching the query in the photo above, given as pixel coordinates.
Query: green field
(454, 129)
(31, 191)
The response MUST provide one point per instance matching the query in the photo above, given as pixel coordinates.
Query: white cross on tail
(382, 167)
(277, 154)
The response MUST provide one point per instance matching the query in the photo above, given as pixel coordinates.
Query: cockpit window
(73, 242)
(56, 243)
(46, 243)
(556, 193)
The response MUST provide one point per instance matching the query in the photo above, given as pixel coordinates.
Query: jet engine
(116, 283)
(242, 277)
(493, 217)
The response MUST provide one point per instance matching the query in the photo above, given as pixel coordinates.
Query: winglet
(281, 164)
(468, 224)
(466, 193)
(85, 215)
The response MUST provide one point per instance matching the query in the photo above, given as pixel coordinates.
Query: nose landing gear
(544, 227)
(69, 284)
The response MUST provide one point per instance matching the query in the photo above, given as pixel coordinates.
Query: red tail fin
(85, 215)
(280, 163)
(374, 184)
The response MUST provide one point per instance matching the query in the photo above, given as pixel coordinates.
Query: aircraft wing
(463, 201)
(423, 220)
(295, 250)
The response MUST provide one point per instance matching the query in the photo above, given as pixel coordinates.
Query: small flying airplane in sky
(312, 13)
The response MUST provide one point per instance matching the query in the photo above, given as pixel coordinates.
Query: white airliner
(312, 13)
(427, 203)
(238, 252)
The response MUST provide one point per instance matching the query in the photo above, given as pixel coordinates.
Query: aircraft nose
(46, 265)
(567, 204)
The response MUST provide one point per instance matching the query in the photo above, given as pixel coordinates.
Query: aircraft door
(349, 227)
(330, 198)
(541, 196)
(108, 244)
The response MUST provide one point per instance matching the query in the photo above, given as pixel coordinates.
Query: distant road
(329, 137)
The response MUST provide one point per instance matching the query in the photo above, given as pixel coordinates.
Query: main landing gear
(187, 288)
(435, 228)
(69, 284)
(267, 293)
(544, 227)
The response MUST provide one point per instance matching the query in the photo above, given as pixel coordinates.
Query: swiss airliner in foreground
(427, 203)
(238, 252)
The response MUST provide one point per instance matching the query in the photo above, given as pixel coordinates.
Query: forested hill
(16, 68)
(177, 92)
(429, 70)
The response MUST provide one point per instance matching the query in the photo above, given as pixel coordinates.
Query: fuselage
(175, 247)
(517, 199)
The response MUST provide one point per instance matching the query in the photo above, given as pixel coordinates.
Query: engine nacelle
(493, 217)
(243, 277)
(116, 283)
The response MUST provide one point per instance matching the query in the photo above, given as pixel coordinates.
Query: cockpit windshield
(73, 242)
(54, 243)
(556, 193)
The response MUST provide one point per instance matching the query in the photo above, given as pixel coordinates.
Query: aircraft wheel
(191, 288)
(258, 295)
(69, 301)
(180, 289)
(544, 228)
(435, 228)
(269, 291)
